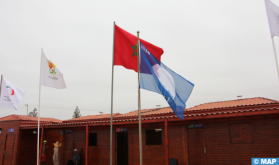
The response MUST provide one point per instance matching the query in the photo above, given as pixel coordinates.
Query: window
(241, 133)
(153, 137)
(0, 131)
(92, 139)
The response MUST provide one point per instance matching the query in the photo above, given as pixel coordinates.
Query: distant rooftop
(164, 111)
(233, 103)
(92, 117)
(28, 118)
(147, 112)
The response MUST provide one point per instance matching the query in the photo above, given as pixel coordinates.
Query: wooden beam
(166, 142)
(87, 144)
(172, 119)
(56, 126)
(41, 145)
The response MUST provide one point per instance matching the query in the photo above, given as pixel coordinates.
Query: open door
(8, 149)
(122, 148)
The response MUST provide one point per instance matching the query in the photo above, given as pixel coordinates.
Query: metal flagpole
(139, 104)
(275, 55)
(1, 85)
(38, 132)
(111, 113)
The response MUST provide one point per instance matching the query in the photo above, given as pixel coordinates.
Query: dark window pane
(153, 137)
(92, 139)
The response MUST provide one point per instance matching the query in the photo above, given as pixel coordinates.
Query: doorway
(8, 149)
(197, 148)
(68, 146)
(122, 148)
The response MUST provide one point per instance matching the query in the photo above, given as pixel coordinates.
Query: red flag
(125, 49)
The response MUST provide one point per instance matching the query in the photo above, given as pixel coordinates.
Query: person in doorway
(75, 158)
(45, 152)
(56, 154)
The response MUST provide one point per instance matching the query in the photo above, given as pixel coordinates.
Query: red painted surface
(28, 148)
(176, 143)
(152, 154)
(52, 136)
(185, 153)
(264, 133)
(68, 146)
(6, 141)
(86, 144)
(100, 154)
(8, 148)
(197, 155)
(166, 142)
(41, 145)
(232, 134)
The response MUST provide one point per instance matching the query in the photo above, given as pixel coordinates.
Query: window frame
(161, 136)
(241, 133)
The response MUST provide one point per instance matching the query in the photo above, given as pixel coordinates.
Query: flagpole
(1, 85)
(139, 103)
(275, 54)
(38, 132)
(112, 76)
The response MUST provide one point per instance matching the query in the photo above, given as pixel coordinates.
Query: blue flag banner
(157, 77)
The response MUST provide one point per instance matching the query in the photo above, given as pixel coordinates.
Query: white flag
(272, 12)
(51, 76)
(10, 94)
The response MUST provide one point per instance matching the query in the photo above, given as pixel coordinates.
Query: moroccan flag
(10, 95)
(125, 49)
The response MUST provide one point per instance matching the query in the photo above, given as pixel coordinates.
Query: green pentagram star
(134, 50)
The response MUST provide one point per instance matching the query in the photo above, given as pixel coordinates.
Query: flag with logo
(272, 12)
(51, 76)
(10, 95)
(125, 49)
(157, 77)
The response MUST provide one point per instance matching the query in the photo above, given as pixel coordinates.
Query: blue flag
(156, 77)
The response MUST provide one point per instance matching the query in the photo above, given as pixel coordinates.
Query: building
(227, 132)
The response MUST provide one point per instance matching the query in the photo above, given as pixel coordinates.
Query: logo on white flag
(10, 90)
(10, 94)
(51, 76)
(51, 66)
